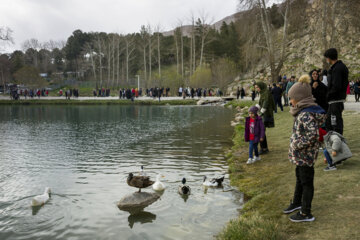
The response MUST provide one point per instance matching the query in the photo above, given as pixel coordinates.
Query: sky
(57, 19)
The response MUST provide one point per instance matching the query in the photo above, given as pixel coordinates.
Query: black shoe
(293, 207)
(263, 151)
(300, 217)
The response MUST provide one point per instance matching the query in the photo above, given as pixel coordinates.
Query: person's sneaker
(329, 168)
(293, 207)
(256, 158)
(263, 151)
(300, 217)
(250, 161)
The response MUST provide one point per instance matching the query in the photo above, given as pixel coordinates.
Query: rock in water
(137, 200)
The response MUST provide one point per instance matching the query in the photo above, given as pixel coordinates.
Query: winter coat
(336, 142)
(320, 93)
(337, 81)
(304, 141)
(259, 129)
(266, 102)
(276, 92)
(288, 86)
(356, 87)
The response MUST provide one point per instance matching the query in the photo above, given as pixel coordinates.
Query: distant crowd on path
(316, 101)
(16, 94)
(69, 93)
(198, 92)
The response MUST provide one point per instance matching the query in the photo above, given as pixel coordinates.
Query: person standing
(266, 107)
(254, 133)
(277, 93)
(253, 93)
(304, 147)
(337, 86)
(237, 93)
(288, 86)
(242, 92)
(357, 90)
(319, 90)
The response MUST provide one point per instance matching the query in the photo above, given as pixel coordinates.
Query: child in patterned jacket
(304, 147)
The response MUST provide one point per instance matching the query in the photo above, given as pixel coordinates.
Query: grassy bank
(97, 102)
(269, 185)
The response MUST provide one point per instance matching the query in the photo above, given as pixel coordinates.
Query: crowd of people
(316, 102)
(17, 93)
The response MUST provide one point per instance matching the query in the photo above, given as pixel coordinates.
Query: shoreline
(112, 101)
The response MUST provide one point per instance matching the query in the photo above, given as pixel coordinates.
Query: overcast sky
(57, 19)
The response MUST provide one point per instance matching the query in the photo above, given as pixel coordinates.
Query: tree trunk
(159, 54)
(145, 73)
(100, 62)
(182, 54)
(150, 58)
(177, 51)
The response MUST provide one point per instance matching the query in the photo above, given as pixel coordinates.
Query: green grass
(269, 186)
(97, 102)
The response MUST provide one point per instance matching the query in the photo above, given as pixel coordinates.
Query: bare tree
(6, 35)
(150, 49)
(35, 45)
(275, 48)
(144, 42)
(158, 36)
(202, 29)
(99, 43)
(129, 48)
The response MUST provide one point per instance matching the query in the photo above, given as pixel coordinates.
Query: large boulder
(137, 200)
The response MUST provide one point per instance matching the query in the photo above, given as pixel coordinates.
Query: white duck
(215, 182)
(158, 186)
(40, 200)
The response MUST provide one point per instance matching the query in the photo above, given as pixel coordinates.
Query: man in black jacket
(277, 93)
(337, 86)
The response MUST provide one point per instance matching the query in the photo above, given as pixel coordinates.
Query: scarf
(304, 103)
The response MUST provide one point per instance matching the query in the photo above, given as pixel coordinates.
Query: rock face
(137, 200)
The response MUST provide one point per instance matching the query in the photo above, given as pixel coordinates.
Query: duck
(158, 186)
(40, 200)
(139, 181)
(184, 189)
(142, 173)
(215, 182)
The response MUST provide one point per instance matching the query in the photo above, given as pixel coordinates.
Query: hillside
(305, 44)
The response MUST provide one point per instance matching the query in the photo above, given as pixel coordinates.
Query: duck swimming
(139, 181)
(184, 189)
(215, 182)
(40, 200)
(158, 186)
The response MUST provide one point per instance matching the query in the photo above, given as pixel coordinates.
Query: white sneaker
(256, 159)
(250, 161)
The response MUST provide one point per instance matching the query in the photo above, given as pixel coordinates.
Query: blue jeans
(328, 157)
(253, 147)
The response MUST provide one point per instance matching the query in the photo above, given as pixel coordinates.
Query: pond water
(84, 154)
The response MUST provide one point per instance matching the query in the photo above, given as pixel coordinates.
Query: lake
(84, 154)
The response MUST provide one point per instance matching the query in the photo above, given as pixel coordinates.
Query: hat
(253, 110)
(301, 89)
